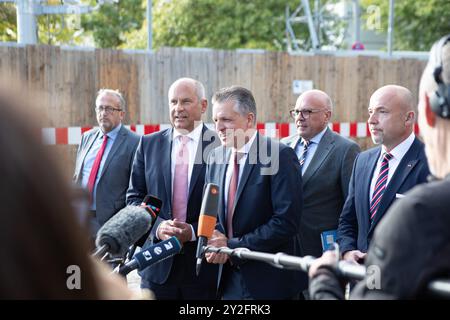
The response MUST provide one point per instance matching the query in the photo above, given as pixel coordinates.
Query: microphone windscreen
(123, 230)
(208, 212)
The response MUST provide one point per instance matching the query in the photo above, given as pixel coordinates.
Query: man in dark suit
(260, 201)
(327, 166)
(104, 158)
(382, 174)
(411, 245)
(170, 165)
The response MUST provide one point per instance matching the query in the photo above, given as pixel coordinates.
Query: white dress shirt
(397, 155)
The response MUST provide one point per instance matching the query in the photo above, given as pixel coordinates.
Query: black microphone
(206, 221)
(152, 255)
(153, 206)
(122, 230)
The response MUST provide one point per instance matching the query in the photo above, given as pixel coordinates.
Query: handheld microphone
(122, 230)
(206, 221)
(153, 206)
(152, 255)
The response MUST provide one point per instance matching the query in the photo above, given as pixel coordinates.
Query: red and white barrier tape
(72, 135)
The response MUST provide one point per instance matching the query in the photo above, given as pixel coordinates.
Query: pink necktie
(96, 165)
(180, 180)
(232, 195)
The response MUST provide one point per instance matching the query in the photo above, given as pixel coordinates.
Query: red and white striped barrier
(72, 135)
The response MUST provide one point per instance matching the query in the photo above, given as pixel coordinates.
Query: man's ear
(430, 116)
(204, 104)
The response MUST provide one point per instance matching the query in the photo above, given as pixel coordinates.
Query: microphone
(122, 230)
(206, 221)
(153, 206)
(152, 255)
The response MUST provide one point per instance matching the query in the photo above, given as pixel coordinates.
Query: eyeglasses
(106, 109)
(306, 113)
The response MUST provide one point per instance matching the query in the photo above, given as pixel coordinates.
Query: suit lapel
(326, 144)
(120, 138)
(85, 151)
(198, 162)
(404, 168)
(366, 177)
(166, 170)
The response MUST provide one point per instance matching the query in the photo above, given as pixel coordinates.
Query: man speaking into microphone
(170, 165)
(260, 203)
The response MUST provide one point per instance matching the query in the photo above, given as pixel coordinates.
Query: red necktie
(231, 195)
(96, 165)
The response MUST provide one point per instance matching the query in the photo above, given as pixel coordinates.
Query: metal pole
(390, 27)
(26, 21)
(149, 25)
(357, 20)
(438, 287)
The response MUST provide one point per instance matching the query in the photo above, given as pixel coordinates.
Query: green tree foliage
(228, 24)
(111, 22)
(417, 24)
(8, 30)
(224, 24)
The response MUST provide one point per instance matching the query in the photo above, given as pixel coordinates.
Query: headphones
(440, 99)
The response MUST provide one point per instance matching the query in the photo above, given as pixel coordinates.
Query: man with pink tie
(170, 165)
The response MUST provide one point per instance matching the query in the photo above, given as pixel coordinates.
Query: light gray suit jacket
(115, 175)
(325, 188)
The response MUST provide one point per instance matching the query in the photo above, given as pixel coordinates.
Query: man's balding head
(391, 115)
(312, 112)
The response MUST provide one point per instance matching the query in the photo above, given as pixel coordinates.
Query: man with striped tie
(326, 159)
(384, 173)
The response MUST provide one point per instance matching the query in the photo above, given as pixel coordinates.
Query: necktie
(380, 185)
(304, 152)
(180, 180)
(96, 165)
(232, 194)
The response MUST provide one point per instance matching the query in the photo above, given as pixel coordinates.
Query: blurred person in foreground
(41, 240)
(411, 246)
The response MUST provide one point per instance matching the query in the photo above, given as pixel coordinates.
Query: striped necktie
(380, 185)
(304, 152)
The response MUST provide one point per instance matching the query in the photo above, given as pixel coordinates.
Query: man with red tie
(170, 165)
(260, 203)
(384, 173)
(104, 158)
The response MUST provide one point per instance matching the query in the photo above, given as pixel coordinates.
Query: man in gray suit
(104, 158)
(327, 160)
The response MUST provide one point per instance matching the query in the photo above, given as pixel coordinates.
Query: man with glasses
(384, 173)
(104, 158)
(326, 159)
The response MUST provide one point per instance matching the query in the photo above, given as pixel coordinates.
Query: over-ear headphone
(440, 99)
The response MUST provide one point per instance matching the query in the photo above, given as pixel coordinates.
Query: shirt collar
(194, 135)
(113, 133)
(401, 149)
(316, 139)
(246, 147)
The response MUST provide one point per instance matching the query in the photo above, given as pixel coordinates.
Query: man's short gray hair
(116, 93)
(242, 97)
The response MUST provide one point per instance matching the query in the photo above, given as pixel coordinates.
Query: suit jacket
(325, 188)
(115, 175)
(355, 230)
(151, 174)
(267, 213)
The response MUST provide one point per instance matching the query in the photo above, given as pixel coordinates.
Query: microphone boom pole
(439, 287)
